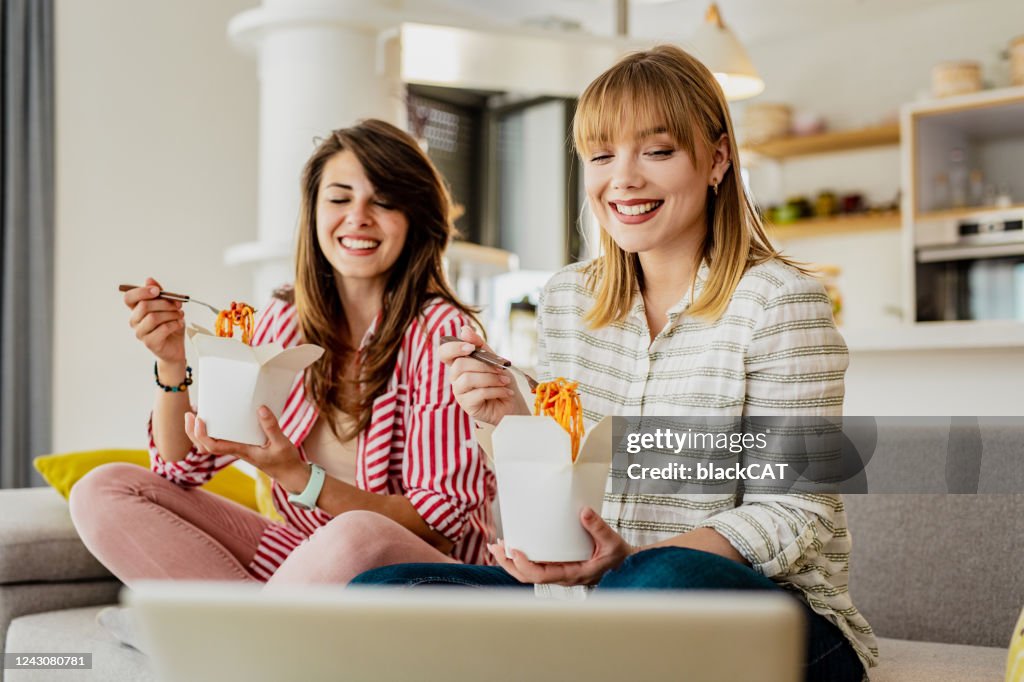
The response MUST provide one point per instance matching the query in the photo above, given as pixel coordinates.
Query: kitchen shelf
(967, 212)
(480, 261)
(950, 274)
(876, 136)
(826, 227)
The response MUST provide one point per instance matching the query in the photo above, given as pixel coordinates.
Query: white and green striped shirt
(775, 351)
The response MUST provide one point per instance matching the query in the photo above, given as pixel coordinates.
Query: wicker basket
(955, 78)
(763, 121)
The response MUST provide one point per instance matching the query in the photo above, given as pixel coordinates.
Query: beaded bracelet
(183, 386)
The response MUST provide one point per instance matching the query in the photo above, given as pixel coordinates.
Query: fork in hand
(495, 360)
(184, 298)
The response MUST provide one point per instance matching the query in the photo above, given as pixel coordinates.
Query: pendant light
(717, 46)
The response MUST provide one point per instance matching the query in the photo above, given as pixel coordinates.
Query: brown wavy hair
(400, 171)
(667, 87)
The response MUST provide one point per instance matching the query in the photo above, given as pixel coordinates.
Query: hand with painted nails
(487, 393)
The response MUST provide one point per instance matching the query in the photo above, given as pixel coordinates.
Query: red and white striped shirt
(419, 443)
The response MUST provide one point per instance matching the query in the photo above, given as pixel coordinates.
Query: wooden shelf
(481, 261)
(970, 211)
(983, 99)
(803, 145)
(826, 227)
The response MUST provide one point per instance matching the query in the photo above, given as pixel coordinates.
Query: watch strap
(308, 497)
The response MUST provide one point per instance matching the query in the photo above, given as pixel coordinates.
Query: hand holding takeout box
(541, 491)
(235, 379)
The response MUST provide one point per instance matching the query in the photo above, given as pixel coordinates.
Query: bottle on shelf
(1004, 199)
(957, 178)
(940, 192)
(976, 188)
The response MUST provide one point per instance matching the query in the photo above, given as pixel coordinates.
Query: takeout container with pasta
(234, 379)
(541, 490)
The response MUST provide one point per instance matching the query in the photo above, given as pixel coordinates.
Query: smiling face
(652, 193)
(647, 193)
(359, 232)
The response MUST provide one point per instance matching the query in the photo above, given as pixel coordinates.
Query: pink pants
(141, 526)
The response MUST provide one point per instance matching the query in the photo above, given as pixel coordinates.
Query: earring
(715, 187)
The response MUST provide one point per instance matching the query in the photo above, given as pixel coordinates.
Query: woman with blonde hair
(689, 311)
(370, 437)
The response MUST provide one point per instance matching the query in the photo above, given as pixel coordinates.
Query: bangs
(632, 100)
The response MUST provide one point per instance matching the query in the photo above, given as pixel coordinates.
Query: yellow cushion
(62, 471)
(1015, 659)
(265, 498)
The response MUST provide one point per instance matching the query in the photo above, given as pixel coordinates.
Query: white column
(319, 69)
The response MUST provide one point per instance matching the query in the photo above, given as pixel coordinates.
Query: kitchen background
(167, 165)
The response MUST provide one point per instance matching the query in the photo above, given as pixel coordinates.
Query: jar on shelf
(852, 203)
(785, 214)
(799, 208)
(955, 78)
(764, 121)
(826, 205)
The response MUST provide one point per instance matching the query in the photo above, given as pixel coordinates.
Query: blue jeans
(830, 657)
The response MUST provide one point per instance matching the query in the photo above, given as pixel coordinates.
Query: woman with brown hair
(370, 438)
(688, 311)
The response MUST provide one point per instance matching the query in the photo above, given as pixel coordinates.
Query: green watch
(308, 497)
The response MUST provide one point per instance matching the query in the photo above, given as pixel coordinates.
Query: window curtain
(27, 239)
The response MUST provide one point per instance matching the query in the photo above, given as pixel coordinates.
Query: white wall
(156, 175)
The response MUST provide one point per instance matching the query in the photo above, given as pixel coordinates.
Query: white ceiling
(752, 20)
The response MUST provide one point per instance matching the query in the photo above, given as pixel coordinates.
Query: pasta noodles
(558, 399)
(238, 315)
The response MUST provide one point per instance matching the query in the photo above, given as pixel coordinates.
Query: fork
(494, 360)
(184, 298)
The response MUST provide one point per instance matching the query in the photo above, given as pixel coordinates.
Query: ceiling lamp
(720, 50)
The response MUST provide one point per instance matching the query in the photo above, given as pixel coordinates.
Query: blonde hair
(666, 88)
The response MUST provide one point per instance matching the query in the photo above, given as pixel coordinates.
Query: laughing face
(647, 193)
(359, 232)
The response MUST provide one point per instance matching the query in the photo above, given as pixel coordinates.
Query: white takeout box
(541, 491)
(235, 379)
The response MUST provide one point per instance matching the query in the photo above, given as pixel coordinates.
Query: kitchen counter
(923, 336)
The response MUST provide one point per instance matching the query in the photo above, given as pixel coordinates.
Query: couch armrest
(38, 542)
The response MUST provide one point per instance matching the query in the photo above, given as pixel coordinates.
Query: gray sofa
(939, 576)
(50, 589)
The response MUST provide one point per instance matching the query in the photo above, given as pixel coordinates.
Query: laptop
(224, 632)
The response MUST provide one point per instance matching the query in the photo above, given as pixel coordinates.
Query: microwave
(975, 273)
